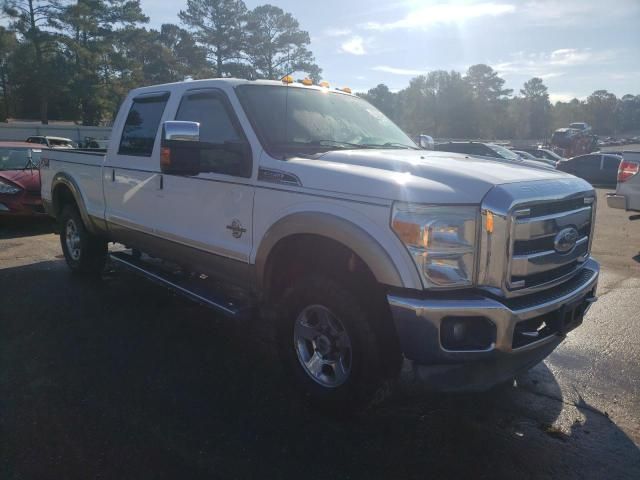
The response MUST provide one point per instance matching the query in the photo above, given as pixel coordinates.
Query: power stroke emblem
(236, 228)
(565, 240)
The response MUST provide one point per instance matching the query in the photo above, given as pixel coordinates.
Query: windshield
(19, 158)
(504, 152)
(301, 120)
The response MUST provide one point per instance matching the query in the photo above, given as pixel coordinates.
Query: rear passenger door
(211, 213)
(131, 175)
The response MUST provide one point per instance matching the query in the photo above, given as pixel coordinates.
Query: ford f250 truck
(306, 208)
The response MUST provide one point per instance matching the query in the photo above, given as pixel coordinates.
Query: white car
(318, 215)
(627, 196)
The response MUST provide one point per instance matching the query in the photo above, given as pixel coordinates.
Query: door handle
(113, 175)
(161, 182)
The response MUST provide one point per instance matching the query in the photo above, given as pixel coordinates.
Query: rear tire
(329, 345)
(84, 252)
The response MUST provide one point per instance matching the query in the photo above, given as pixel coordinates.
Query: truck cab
(305, 207)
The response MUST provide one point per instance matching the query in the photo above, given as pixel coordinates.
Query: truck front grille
(549, 241)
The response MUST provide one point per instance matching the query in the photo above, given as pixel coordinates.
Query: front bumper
(616, 201)
(527, 329)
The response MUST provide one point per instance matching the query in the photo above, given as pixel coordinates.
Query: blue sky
(576, 46)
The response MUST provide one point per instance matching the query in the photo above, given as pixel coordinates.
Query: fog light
(467, 333)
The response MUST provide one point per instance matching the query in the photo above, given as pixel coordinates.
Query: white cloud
(563, 97)
(337, 32)
(449, 13)
(398, 71)
(354, 46)
(576, 12)
(553, 64)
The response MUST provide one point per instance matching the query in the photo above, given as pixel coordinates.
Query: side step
(195, 288)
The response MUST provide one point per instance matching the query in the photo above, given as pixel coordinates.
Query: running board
(192, 288)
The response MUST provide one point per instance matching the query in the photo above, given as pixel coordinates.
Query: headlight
(6, 187)
(441, 241)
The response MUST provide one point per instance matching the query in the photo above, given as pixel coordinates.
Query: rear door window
(141, 126)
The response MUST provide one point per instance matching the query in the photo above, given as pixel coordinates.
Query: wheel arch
(331, 228)
(64, 190)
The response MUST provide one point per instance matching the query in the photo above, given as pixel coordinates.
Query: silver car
(627, 196)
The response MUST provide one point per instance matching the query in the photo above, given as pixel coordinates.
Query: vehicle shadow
(25, 226)
(119, 378)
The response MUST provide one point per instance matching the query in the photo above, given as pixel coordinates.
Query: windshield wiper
(335, 143)
(390, 145)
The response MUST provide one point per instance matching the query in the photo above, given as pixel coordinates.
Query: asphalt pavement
(119, 378)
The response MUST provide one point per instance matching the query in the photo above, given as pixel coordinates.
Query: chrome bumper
(418, 323)
(616, 201)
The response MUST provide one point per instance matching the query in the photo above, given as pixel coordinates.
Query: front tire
(328, 343)
(84, 252)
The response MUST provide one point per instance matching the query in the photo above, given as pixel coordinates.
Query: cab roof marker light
(287, 79)
(324, 84)
(307, 82)
(346, 90)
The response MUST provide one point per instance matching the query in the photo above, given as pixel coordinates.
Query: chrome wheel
(323, 346)
(72, 239)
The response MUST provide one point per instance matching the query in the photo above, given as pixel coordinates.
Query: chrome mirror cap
(426, 142)
(179, 131)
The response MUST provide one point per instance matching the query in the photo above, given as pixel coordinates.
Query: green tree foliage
(276, 45)
(538, 108)
(31, 19)
(8, 45)
(218, 26)
(477, 106)
(93, 34)
(383, 99)
(601, 109)
(77, 59)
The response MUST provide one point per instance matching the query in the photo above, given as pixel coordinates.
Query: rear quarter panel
(82, 168)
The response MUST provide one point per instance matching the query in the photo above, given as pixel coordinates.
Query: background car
(51, 142)
(487, 150)
(542, 153)
(596, 168)
(20, 179)
(529, 156)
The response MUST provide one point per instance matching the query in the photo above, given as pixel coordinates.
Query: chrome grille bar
(521, 251)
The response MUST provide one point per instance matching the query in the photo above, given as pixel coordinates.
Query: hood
(413, 175)
(26, 179)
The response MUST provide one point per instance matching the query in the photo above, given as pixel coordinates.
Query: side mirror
(426, 142)
(180, 148)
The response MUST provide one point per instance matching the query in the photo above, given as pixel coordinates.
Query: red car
(20, 179)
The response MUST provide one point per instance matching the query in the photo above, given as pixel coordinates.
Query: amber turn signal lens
(409, 233)
(165, 157)
(489, 223)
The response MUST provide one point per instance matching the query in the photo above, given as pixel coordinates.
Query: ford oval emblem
(565, 240)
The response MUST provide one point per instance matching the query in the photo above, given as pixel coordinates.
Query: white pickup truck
(307, 208)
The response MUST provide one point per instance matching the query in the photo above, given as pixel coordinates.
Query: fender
(62, 178)
(335, 228)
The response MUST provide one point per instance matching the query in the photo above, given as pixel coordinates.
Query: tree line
(477, 105)
(76, 60)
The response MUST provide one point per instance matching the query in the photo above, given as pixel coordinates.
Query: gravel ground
(119, 378)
